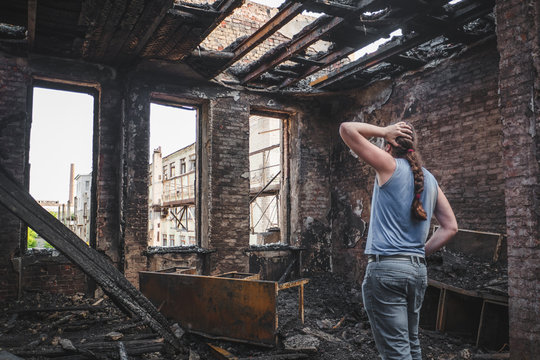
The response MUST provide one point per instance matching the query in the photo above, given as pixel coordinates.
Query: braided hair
(407, 151)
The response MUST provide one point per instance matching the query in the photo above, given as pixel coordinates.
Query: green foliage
(48, 246)
(31, 241)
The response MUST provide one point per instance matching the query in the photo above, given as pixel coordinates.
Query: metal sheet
(237, 309)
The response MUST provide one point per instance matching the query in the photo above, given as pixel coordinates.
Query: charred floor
(249, 241)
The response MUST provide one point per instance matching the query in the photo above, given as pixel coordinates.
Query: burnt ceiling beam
(407, 62)
(293, 47)
(350, 45)
(307, 36)
(153, 14)
(465, 15)
(285, 14)
(126, 25)
(208, 21)
(31, 27)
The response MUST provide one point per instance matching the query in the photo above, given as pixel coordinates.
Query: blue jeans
(393, 291)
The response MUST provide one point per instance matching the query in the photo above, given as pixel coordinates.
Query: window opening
(60, 158)
(265, 166)
(172, 198)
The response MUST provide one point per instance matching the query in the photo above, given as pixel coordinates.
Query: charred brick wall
(53, 273)
(165, 260)
(107, 162)
(228, 183)
(310, 150)
(14, 85)
(136, 127)
(455, 112)
(518, 25)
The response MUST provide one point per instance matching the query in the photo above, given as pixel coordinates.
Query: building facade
(171, 198)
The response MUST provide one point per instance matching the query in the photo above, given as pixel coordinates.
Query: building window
(192, 162)
(266, 159)
(183, 166)
(164, 239)
(176, 192)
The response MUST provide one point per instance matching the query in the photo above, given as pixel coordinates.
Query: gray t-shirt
(392, 228)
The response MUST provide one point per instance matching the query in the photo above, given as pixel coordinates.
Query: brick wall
(518, 43)
(228, 183)
(53, 273)
(14, 82)
(454, 109)
(310, 183)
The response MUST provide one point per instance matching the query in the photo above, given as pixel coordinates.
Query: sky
(62, 133)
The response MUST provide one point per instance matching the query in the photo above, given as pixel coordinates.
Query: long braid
(407, 150)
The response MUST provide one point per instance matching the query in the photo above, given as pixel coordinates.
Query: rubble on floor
(469, 272)
(45, 325)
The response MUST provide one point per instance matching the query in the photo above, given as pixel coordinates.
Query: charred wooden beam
(284, 15)
(154, 12)
(367, 61)
(17, 200)
(306, 61)
(293, 47)
(408, 62)
(125, 27)
(463, 16)
(32, 14)
(206, 24)
(338, 9)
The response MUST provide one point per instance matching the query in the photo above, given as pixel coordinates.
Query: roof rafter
(390, 50)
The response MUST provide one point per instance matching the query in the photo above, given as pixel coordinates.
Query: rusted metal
(240, 275)
(234, 306)
(235, 309)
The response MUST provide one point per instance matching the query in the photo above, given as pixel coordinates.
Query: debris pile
(469, 272)
(44, 325)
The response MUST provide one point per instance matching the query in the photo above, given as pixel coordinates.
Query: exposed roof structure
(131, 32)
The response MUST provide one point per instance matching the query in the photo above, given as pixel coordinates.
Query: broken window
(172, 199)
(60, 158)
(265, 166)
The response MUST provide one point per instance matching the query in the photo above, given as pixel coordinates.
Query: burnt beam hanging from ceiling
(286, 13)
(307, 36)
(193, 31)
(472, 11)
(149, 20)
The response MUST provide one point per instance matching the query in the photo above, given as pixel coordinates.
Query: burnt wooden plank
(128, 22)
(204, 27)
(18, 201)
(408, 62)
(285, 14)
(109, 26)
(462, 16)
(153, 14)
(94, 14)
(305, 38)
(31, 27)
(162, 41)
